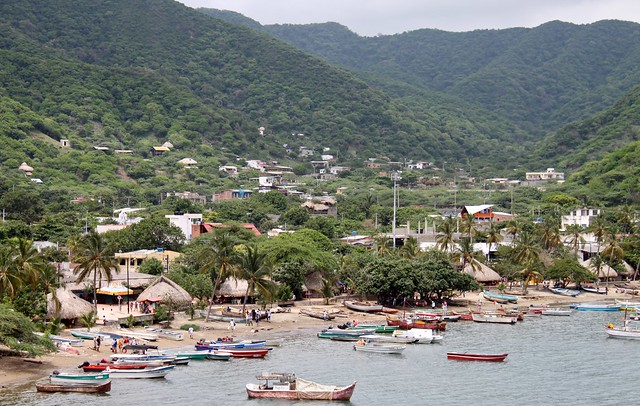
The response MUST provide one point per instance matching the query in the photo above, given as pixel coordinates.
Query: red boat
(464, 316)
(465, 356)
(407, 324)
(246, 352)
(102, 366)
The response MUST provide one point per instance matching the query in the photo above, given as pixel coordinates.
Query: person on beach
(191, 333)
(232, 325)
(247, 318)
(114, 346)
(98, 343)
(268, 314)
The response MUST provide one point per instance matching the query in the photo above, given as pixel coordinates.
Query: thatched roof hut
(481, 272)
(70, 306)
(313, 282)
(605, 270)
(164, 289)
(233, 287)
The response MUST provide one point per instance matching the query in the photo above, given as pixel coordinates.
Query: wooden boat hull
(409, 324)
(246, 353)
(168, 334)
(217, 356)
(597, 308)
(497, 319)
(317, 315)
(380, 348)
(600, 291)
(159, 372)
(363, 307)
(79, 379)
(555, 312)
(621, 333)
(53, 387)
(499, 297)
(376, 338)
(339, 393)
(565, 292)
(111, 366)
(462, 356)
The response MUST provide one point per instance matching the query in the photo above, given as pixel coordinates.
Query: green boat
(197, 355)
(344, 333)
(89, 335)
(379, 328)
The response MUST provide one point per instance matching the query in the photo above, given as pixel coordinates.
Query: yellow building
(135, 258)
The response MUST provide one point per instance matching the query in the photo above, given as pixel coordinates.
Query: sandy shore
(16, 371)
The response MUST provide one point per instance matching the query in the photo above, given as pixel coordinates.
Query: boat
(288, 386)
(409, 323)
(133, 334)
(378, 338)
(318, 315)
(102, 366)
(217, 356)
(363, 307)
(345, 338)
(169, 334)
(74, 342)
(464, 316)
(493, 318)
(207, 346)
(148, 373)
(197, 355)
(246, 352)
(437, 316)
(565, 292)
(89, 335)
(556, 312)
(377, 328)
(500, 298)
(465, 356)
(365, 346)
(79, 379)
(49, 387)
(219, 317)
(330, 333)
(598, 307)
(593, 289)
(180, 361)
(629, 330)
(422, 336)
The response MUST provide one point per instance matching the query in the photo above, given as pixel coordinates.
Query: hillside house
(203, 228)
(580, 217)
(191, 196)
(155, 151)
(136, 258)
(549, 175)
(231, 170)
(230, 194)
(184, 222)
(325, 206)
(480, 213)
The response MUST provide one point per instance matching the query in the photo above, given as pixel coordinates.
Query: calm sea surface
(552, 361)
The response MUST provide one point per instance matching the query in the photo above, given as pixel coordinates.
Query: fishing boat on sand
(164, 333)
(465, 356)
(318, 315)
(363, 307)
(500, 298)
(89, 335)
(49, 387)
(288, 386)
(565, 292)
(593, 289)
(59, 340)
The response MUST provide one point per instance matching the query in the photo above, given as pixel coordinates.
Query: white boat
(493, 318)
(422, 335)
(133, 334)
(362, 345)
(148, 373)
(556, 312)
(630, 330)
(66, 378)
(74, 342)
(379, 338)
(169, 334)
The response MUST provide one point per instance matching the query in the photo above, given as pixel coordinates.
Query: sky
(374, 17)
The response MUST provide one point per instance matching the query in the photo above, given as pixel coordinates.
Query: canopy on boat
(114, 289)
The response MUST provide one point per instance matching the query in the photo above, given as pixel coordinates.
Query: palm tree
(626, 218)
(550, 235)
(612, 250)
(445, 237)
(466, 254)
(411, 248)
(218, 262)
(10, 280)
(576, 240)
(256, 270)
(382, 245)
(527, 254)
(29, 263)
(493, 234)
(514, 228)
(88, 320)
(469, 226)
(94, 257)
(50, 281)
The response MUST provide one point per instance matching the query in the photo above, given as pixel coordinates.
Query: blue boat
(500, 298)
(598, 307)
(565, 292)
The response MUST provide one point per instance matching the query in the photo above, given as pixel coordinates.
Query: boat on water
(465, 356)
(367, 346)
(49, 387)
(497, 297)
(79, 379)
(147, 373)
(246, 352)
(493, 318)
(379, 338)
(196, 355)
(466, 316)
(330, 333)
(598, 307)
(288, 386)
(630, 330)
(164, 333)
(102, 366)
(363, 307)
(422, 336)
(556, 312)
(436, 316)
(409, 323)
(74, 342)
(378, 328)
(565, 292)
(218, 356)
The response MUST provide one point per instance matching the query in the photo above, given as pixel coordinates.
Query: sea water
(552, 361)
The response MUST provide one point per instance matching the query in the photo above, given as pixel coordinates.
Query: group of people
(117, 344)
(255, 315)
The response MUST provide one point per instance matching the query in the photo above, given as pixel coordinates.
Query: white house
(184, 222)
(549, 174)
(580, 217)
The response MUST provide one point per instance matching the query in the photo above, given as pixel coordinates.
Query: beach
(16, 371)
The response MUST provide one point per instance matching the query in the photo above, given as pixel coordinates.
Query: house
(256, 164)
(65, 144)
(420, 165)
(203, 228)
(481, 213)
(580, 217)
(232, 194)
(132, 260)
(229, 169)
(184, 222)
(100, 148)
(159, 150)
(548, 175)
(321, 207)
(193, 197)
(327, 157)
(304, 151)
(337, 169)
(188, 163)
(28, 170)
(499, 216)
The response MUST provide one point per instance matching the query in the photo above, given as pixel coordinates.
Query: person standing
(232, 325)
(98, 343)
(191, 333)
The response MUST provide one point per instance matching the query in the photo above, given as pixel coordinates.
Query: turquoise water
(552, 361)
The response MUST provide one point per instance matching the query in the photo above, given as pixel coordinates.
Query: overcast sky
(372, 17)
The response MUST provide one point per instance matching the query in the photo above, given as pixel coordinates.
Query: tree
(295, 216)
(514, 228)
(493, 234)
(152, 232)
(550, 235)
(151, 266)
(527, 254)
(254, 268)
(10, 280)
(568, 269)
(612, 250)
(94, 257)
(576, 240)
(469, 226)
(88, 320)
(16, 332)
(411, 248)
(445, 237)
(218, 261)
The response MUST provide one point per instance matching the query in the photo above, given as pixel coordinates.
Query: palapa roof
(481, 272)
(605, 270)
(313, 282)
(70, 306)
(24, 167)
(187, 161)
(165, 289)
(233, 287)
